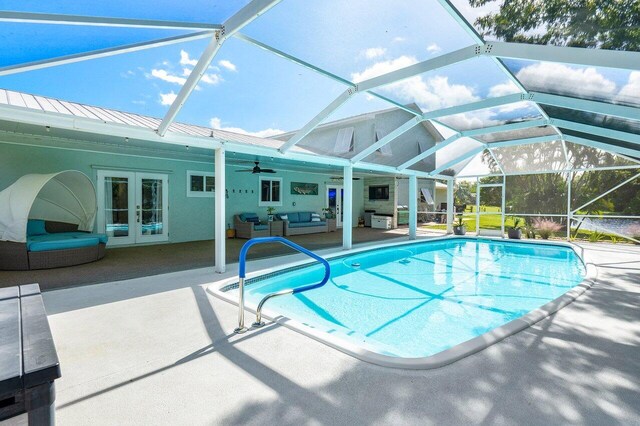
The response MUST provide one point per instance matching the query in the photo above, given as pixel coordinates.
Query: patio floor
(140, 261)
(161, 350)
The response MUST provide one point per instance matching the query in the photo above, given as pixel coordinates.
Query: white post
(477, 206)
(503, 205)
(413, 206)
(450, 207)
(220, 212)
(347, 209)
(569, 183)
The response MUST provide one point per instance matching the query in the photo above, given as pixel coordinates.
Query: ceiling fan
(257, 169)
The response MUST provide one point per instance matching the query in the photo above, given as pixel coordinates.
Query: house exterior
(151, 192)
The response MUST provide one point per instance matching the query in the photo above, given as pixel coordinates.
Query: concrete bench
(28, 359)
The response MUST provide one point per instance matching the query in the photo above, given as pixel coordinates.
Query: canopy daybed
(46, 221)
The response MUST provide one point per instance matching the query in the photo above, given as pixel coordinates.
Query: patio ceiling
(541, 109)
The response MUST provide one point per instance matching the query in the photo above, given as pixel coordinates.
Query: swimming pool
(423, 305)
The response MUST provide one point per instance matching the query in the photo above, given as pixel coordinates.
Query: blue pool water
(420, 299)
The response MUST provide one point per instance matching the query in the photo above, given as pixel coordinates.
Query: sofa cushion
(35, 227)
(306, 224)
(293, 217)
(305, 216)
(249, 217)
(61, 241)
(262, 227)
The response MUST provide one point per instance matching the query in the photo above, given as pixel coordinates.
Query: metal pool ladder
(242, 274)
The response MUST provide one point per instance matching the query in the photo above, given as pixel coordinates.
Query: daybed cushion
(306, 224)
(103, 238)
(60, 241)
(35, 227)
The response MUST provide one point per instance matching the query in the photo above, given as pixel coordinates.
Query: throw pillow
(284, 217)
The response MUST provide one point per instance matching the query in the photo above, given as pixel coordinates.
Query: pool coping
(440, 359)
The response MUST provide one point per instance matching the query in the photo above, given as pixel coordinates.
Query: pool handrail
(243, 270)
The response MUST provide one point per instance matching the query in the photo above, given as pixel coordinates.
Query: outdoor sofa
(298, 223)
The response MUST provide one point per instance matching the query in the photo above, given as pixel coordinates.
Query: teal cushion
(35, 227)
(306, 224)
(103, 238)
(60, 241)
(305, 216)
(294, 217)
(260, 227)
(249, 217)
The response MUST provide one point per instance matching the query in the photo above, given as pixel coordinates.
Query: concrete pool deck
(161, 350)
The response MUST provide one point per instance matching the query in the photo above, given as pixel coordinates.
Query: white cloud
(374, 52)
(503, 89)
(213, 79)
(559, 78)
(383, 67)
(228, 65)
(631, 91)
(186, 60)
(433, 48)
(139, 102)
(167, 98)
(169, 78)
(216, 123)
(429, 93)
(398, 39)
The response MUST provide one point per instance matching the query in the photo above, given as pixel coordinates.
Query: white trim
(101, 53)
(99, 21)
(567, 55)
(200, 194)
(270, 203)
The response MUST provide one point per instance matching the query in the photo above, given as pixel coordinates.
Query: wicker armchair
(248, 230)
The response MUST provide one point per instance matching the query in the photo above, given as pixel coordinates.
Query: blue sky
(248, 89)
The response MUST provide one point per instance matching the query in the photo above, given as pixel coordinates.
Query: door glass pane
(341, 203)
(332, 198)
(151, 214)
(116, 203)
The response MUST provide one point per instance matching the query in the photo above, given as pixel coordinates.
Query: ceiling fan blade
(267, 171)
(250, 170)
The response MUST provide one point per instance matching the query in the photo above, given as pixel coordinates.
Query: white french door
(133, 207)
(335, 197)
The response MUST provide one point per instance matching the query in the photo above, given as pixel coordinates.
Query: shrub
(546, 227)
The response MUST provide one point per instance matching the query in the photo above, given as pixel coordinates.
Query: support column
(450, 206)
(569, 182)
(347, 209)
(220, 211)
(413, 206)
(503, 206)
(477, 206)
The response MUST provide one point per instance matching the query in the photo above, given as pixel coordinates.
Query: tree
(463, 194)
(605, 24)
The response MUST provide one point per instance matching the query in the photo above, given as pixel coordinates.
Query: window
(200, 184)
(344, 141)
(270, 192)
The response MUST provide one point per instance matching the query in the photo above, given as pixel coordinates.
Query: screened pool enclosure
(533, 130)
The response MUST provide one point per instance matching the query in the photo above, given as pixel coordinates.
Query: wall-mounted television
(379, 192)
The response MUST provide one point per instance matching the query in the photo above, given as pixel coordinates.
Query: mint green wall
(190, 219)
(243, 200)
